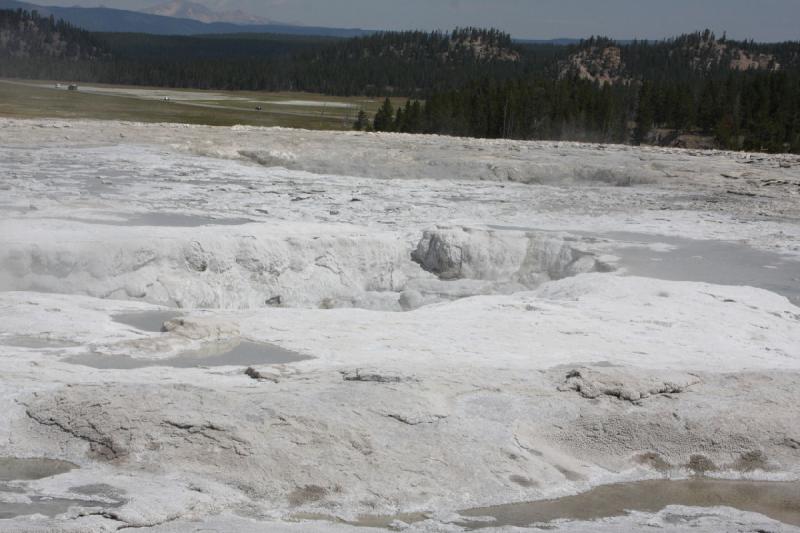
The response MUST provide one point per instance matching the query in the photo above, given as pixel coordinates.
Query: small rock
(741, 193)
(792, 443)
(202, 328)
(632, 386)
(373, 376)
(259, 376)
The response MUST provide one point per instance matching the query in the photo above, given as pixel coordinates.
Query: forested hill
(410, 63)
(461, 46)
(689, 56)
(400, 63)
(32, 46)
(694, 90)
(26, 35)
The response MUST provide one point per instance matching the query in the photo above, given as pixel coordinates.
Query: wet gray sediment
(19, 469)
(47, 506)
(719, 262)
(152, 321)
(244, 353)
(777, 500)
(708, 261)
(32, 342)
(171, 220)
(15, 469)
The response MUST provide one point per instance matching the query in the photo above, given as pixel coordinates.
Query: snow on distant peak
(202, 13)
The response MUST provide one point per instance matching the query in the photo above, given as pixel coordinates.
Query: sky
(762, 20)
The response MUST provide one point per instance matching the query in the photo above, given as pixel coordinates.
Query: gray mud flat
(152, 321)
(243, 354)
(779, 501)
(16, 469)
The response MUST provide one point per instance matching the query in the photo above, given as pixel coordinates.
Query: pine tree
(384, 118)
(362, 122)
(645, 114)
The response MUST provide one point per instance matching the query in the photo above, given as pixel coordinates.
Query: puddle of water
(245, 353)
(16, 469)
(99, 489)
(779, 501)
(168, 220)
(152, 321)
(23, 341)
(511, 228)
(369, 521)
(47, 506)
(709, 261)
(719, 262)
(178, 220)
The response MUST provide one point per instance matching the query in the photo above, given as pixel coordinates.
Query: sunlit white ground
(476, 329)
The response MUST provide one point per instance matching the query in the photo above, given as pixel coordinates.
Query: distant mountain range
(103, 19)
(184, 17)
(184, 9)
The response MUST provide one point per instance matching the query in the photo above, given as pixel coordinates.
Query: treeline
(751, 110)
(32, 46)
(26, 34)
(469, 82)
(748, 110)
(409, 63)
(401, 63)
(538, 109)
(692, 55)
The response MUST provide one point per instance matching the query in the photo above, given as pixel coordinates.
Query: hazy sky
(542, 19)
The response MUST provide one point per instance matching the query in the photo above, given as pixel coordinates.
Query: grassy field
(37, 99)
